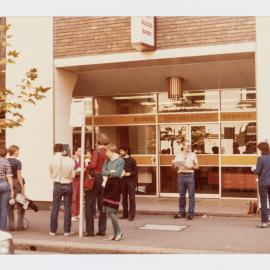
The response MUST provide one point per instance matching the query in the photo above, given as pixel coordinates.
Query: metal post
(82, 171)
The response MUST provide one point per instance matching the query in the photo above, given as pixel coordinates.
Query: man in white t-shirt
(186, 162)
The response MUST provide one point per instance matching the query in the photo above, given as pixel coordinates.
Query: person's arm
(119, 168)
(259, 166)
(105, 169)
(10, 179)
(133, 170)
(195, 165)
(20, 180)
(94, 161)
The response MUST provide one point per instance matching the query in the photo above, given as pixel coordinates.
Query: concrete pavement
(219, 232)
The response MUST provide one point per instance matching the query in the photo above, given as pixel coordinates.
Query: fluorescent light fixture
(132, 97)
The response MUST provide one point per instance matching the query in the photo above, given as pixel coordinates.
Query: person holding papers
(186, 162)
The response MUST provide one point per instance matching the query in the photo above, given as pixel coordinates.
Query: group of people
(114, 173)
(11, 183)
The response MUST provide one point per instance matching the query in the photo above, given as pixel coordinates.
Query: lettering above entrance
(124, 120)
(143, 33)
(187, 118)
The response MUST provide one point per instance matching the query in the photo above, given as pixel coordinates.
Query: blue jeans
(59, 191)
(186, 183)
(264, 191)
(4, 198)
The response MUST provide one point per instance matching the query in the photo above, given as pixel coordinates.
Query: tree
(13, 100)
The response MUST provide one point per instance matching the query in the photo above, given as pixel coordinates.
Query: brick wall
(79, 36)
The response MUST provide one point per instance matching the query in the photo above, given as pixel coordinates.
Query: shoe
(100, 234)
(118, 237)
(262, 225)
(11, 229)
(88, 234)
(74, 219)
(131, 219)
(69, 233)
(189, 216)
(124, 217)
(179, 215)
(52, 233)
(110, 238)
(20, 229)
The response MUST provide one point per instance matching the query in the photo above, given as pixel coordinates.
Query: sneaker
(179, 215)
(74, 219)
(52, 233)
(86, 234)
(110, 238)
(118, 237)
(69, 233)
(262, 225)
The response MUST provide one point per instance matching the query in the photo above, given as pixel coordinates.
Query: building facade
(222, 63)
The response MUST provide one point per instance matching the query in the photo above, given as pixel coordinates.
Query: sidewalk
(211, 207)
(149, 211)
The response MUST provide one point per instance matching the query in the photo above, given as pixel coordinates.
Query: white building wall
(263, 77)
(64, 83)
(33, 37)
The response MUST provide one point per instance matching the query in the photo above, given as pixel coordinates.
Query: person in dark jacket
(96, 194)
(129, 182)
(112, 170)
(263, 171)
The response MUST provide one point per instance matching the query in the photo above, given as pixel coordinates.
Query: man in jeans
(61, 172)
(186, 162)
(96, 194)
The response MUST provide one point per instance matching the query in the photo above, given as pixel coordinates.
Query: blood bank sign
(143, 33)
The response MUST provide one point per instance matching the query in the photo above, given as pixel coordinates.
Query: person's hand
(188, 167)
(127, 174)
(253, 168)
(112, 171)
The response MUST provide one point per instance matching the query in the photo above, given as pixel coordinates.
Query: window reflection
(125, 105)
(193, 101)
(238, 99)
(141, 139)
(238, 138)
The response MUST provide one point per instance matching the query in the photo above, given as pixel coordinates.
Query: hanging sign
(77, 113)
(143, 33)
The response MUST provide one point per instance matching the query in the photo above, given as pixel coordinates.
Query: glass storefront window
(205, 138)
(76, 138)
(139, 104)
(146, 181)
(171, 138)
(238, 182)
(193, 101)
(140, 139)
(238, 138)
(238, 99)
(206, 180)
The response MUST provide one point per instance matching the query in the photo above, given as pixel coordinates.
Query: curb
(149, 212)
(88, 248)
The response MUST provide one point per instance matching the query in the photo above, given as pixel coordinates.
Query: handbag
(88, 182)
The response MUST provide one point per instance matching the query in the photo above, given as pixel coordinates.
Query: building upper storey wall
(79, 36)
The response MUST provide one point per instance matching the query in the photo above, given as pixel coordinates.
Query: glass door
(170, 137)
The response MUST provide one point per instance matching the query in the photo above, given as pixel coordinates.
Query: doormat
(156, 227)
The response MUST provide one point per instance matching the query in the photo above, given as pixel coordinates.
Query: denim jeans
(186, 183)
(91, 197)
(4, 198)
(59, 191)
(264, 191)
(112, 213)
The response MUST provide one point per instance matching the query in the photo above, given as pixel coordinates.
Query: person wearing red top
(96, 194)
(75, 207)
